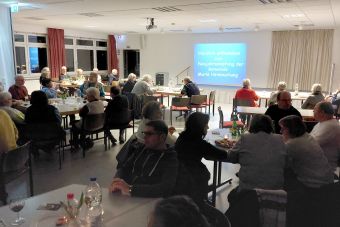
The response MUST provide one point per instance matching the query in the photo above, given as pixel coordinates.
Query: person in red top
(246, 93)
(18, 90)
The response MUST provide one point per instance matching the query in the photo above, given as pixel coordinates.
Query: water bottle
(72, 205)
(93, 199)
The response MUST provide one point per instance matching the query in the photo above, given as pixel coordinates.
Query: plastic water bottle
(93, 199)
(72, 205)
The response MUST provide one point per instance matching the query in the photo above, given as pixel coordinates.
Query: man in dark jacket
(190, 88)
(282, 109)
(152, 170)
(117, 114)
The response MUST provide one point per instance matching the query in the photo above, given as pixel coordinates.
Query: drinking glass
(16, 205)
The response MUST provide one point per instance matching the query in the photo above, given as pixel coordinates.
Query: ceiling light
(91, 26)
(207, 20)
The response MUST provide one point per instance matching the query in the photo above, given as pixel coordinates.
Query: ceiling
(185, 16)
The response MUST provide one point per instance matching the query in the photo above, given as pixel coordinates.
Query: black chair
(92, 124)
(135, 104)
(14, 164)
(120, 123)
(45, 136)
(179, 104)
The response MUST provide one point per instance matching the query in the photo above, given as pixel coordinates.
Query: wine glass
(16, 205)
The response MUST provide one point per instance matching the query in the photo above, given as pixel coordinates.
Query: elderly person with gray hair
(6, 104)
(314, 98)
(92, 82)
(94, 106)
(189, 88)
(281, 86)
(327, 132)
(246, 93)
(129, 85)
(142, 87)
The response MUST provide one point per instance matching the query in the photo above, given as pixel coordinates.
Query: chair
(242, 102)
(211, 102)
(197, 102)
(14, 164)
(227, 124)
(179, 104)
(134, 104)
(92, 124)
(121, 125)
(46, 136)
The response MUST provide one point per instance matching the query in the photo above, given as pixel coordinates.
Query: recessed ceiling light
(207, 20)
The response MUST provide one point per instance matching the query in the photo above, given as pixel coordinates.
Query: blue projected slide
(220, 63)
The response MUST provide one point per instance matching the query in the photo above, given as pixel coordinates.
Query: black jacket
(190, 89)
(151, 172)
(117, 111)
(42, 114)
(128, 86)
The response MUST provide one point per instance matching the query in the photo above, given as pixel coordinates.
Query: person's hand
(16, 102)
(120, 185)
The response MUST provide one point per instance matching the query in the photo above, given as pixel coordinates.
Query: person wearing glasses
(282, 109)
(151, 169)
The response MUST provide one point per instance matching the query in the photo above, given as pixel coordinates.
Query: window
(83, 42)
(36, 39)
(69, 60)
(102, 59)
(85, 59)
(19, 38)
(68, 41)
(38, 59)
(101, 44)
(20, 58)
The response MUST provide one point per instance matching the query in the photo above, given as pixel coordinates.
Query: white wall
(174, 52)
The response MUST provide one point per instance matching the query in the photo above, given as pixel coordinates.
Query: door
(131, 62)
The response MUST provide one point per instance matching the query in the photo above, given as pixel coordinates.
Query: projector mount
(150, 23)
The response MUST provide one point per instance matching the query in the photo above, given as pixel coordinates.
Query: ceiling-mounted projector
(151, 23)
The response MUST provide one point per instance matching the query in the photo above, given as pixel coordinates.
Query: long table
(265, 95)
(261, 110)
(117, 208)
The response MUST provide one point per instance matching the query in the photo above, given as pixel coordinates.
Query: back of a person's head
(115, 90)
(158, 126)
(282, 93)
(45, 70)
(281, 86)
(177, 211)
(246, 83)
(4, 96)
(152, 110)
(132, 76)
(195, 124)
(326, 108)
(45, 74)
(294, 124)
(316, 89)
(187, 79)
(38, 98)
(93, 92)
(45, 81)
(147, 78)
(261, 123)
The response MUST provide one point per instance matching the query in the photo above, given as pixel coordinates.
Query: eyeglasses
(150, 133)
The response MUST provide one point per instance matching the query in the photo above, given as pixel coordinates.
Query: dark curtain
(112, 51)
(56, 51)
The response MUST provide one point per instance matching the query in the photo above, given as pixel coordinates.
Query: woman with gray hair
(142, 87)
(314, 98)
(307, 162)
(129, 85)
(281, 86)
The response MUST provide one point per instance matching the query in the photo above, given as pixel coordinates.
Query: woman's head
(152, 111)
(261, 123)
(177, 211)
(197, 124)
(292, 126)
(38, 98)
(132, 77)
(92, 94)
(281, 86)
(316, 89)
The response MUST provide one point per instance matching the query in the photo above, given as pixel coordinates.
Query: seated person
(92, 82)
(152, 111)
(179, 211)
(142, 87)
(261, 154)
(327, 132)
(282, 109)
(45, 73)
(63, 74)
(128, 86)
(94, 106)
(8, 132)
(117, 114)
(40, 111)
(152, 170)
(19, 90)
(191, 148)
(189, 88)
(305, 158)
(113, 76)
(314, 98)
(6, 104)
(273, 96)
(47, 88)
(79, 75)
(246, 93)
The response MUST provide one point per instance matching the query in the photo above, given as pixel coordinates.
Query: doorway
(131, 62)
